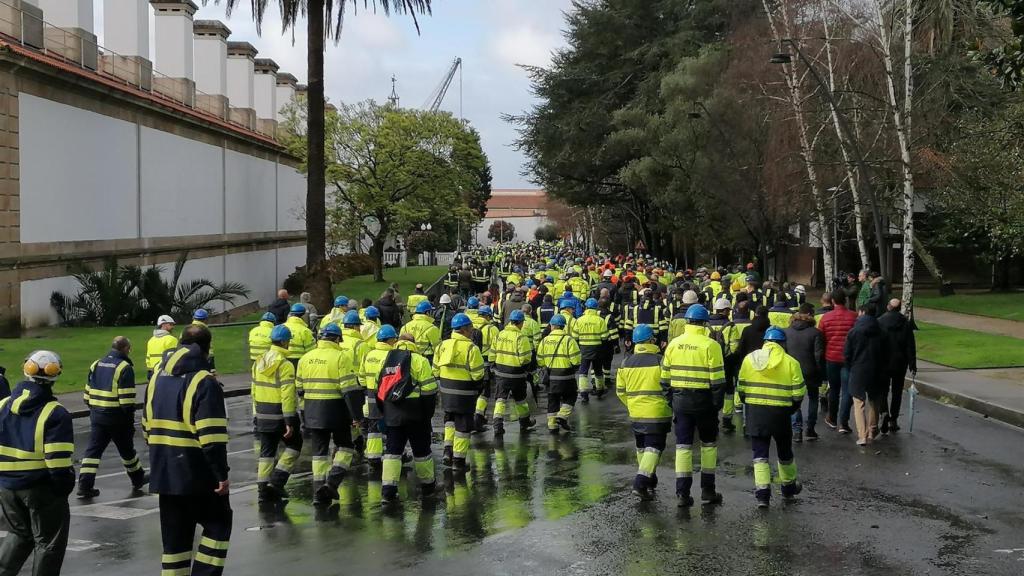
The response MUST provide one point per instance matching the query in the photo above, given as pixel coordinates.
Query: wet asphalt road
(946, 499)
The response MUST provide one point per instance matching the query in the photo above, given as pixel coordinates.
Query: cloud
(525, 45)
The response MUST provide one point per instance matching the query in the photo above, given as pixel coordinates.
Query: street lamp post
(845, 133)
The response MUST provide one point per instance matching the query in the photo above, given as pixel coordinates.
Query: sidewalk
(234, 385)
(997, 394)
(971, 322)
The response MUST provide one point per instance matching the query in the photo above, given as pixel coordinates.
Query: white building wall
(182, 185)
(35, 299)
(79, 173)
(288, 259)
(257, 270)
(291, 199)
(251, 193)
(211, 268)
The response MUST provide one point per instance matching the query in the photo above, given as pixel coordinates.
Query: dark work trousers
(647, 475)
(271, 468)
(100, 436)
(588, 364)
(761, 446)
(417, 435)
(325, 470)
(37, 519)
(894, 391)
(179, 515)
(561, 399)
(605, 359)
(704, 426)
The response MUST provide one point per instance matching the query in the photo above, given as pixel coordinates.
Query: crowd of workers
(698, 350)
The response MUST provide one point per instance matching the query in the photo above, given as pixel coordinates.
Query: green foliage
(391, 169)
(129, 295)
(501, 231)
(1006, 61)
(547, 233)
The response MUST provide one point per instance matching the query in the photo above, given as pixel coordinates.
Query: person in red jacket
(834, 326)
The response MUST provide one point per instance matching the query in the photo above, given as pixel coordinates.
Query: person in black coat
(805, 343)
(866, 358)
(280, 307)
(753, 337)
(390, 311)
(5, 386)
(902, 347)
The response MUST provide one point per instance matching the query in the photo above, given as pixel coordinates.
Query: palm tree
(324, 20)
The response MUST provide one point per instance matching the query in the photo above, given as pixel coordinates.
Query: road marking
(121, 473)
(109, 512)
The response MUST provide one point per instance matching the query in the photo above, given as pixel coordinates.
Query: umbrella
(913, 397)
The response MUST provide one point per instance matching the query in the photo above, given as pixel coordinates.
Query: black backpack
(394, 382)
(719, 336)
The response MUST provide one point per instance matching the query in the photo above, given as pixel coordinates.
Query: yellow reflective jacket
(590, 330)
(424, 332)
(533, 331)
(513, 353)
(273, 390)
(489, 333)
(459, 365)
(325, 377)
(161, 342)
(302, 337)
(694, 368)
(259, 339)
(638, 384)
(560, 354)
(352, 341)
(770, 377)
(412, 301)
(335, 316)
(419, 369)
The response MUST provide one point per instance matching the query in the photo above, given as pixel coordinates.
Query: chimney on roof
(23, 21)
(265, 95)
(126, 39)
(241, 72)
(211, 66)
(71, 35)
(285, 93)
(174, 60)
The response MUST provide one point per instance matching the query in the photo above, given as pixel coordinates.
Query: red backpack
(394, 382)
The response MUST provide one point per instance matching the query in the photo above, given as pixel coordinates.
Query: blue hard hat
(557, 320)
(549, 278)
(568, 293)
(386, 332)
(591, 304)
(473, 302)
(529, 282)
(351, 318)
(486, 311)
(280, 333)
(331, 329)
(372, 312)
(460, 320)
(774, 334)
(642, 333)
(269, 317)
(516, 316)
(200, 314)
(297, 310)
(341, 301)
(424, 307)
(697, 313)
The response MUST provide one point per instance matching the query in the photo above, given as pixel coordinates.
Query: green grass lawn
(80, 347)
(1008, 306)
(364, 287)
(966, 348)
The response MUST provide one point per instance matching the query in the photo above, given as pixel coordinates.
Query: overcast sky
(491, 37)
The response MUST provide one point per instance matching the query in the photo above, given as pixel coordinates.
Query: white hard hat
(608, 274)
(445, 299)
(801, 289)
(690, 297)
(165, 319)
(43, 365)
(722, 304)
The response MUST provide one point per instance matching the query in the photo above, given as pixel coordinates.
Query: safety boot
(446, 457)
(527, 424)
(789, 491)
(563, 424)
(727, 425)
(499, 427)
(585, 397)
(480, 424)
(87, 493)
(644, 493)
(708, 495)
(684, 500)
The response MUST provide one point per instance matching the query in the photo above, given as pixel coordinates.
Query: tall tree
(324, 21)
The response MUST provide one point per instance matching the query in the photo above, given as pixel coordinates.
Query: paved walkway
(997, 394)
(970, 322)
(234, 385)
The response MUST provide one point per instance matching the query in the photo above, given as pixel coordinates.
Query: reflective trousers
(272, 469)
(100, 436)
(787, 465)
(705, 425)
(457, 428)
(417, 436)
(516, 408)
(325, 469)
(179, 516)
(648, 452)
(561, 399)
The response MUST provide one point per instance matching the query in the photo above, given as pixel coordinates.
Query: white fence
(436, 258)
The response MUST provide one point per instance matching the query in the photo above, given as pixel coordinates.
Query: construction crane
(433, 103)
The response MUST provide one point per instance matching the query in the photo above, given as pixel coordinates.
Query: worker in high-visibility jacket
(275, 406)
(371, 324)
(559, 355)
(352, 341)
(302, 340)
(590, 332)
(403, 395)
(638, 385)
(531, 327)
(37, 471)
(771, 386)
(423, 330)
(459, 366)
(677, 323)
(110, 396)
(161, 341)
(513, 363)
(780, 314)
(714, 288)
(727, 333)
(337, 313)
(259, 336)
(199, 318)
(188, 458)
(332, 400)
(489, 334)
(415, 299)
(694, 369)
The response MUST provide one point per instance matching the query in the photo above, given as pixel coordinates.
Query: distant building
(525, 209)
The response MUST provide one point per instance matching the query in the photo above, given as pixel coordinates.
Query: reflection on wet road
(945, 500)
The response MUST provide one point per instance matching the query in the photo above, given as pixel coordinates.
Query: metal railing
(21, 27)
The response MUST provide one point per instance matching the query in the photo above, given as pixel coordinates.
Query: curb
(982, 407)
(228, 393)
